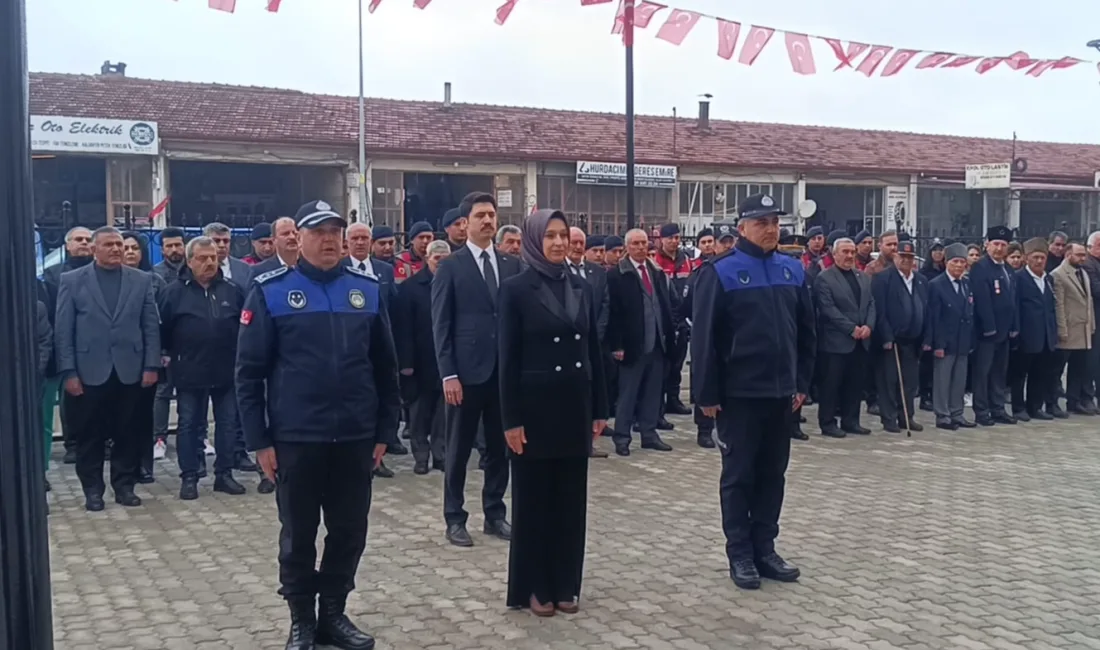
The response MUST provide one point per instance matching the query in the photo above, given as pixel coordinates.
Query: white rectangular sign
(605, 173)
(994, 176)
(94, 135)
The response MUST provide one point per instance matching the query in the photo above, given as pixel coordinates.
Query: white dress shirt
(577, 269)
(226, 272)
(1039, 280)
(363, 265)
(908, 279)
(476, 251)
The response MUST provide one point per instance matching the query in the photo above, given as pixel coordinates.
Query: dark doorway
(839, 207)
(428, 196)
(69, 191)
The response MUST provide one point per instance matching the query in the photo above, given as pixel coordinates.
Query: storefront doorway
(428, 196)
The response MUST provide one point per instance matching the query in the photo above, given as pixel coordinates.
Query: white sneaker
(968, 399)
(160, 449)
(208, 448)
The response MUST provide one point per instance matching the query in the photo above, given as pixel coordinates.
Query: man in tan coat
(1076, 323)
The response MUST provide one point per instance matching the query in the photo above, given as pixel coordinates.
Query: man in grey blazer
(107, 337)
(845, 316)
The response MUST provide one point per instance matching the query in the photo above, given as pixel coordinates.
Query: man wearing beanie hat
(950, 335)
(613, 249)
(1034, 359)
(865, 245)
(593, 249)
(410, 261)
(996, 321)
(1075, 329)
(454, 224)
(704, 242)
(815, 246)
(263, 244)
(677, 267)
(383, 244)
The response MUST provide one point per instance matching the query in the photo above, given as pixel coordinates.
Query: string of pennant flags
(863, 58)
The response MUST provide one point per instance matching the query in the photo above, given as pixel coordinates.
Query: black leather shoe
(303, 625)
(622, 448)
(831, 431)
(872, 409)
(70, 457)
(396, 449)
(382, 471)
(946, 425)
(1090, 408)
(1057, 412)
(500, 529)
(265, 486)
(126, 497)
(985, 421)
(798, 434)
(189, 489)
(926, 405)
(705, 440)
(596, 453)
(94, 502)
(420, 467)
(676, 407)
(657, 445)
(964, 424)
(855, 429)
(335, 629)
(227, 484)
(246, 464)
(1040, 415)
(890, 427)
(664, 425)
(916, 426)
(745, 575)
(773, 567)
(145, 477)
(457, 535)
(1002, 417)
(801, 419)
(1021, 416)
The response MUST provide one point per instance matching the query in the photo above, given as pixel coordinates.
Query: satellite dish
(807, 209)
(1019, 165)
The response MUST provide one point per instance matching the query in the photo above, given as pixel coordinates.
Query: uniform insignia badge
(743, 277)
(321, 205)
(686, 290)
(766, 201)
(357, 299)
(296, 299)
(786, 273)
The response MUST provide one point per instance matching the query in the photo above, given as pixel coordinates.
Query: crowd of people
(529, 344)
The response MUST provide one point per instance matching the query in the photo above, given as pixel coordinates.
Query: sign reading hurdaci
(994, 176)
(605, 173)
(93, 135)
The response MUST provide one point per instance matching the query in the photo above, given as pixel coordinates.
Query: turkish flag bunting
(273, 5)
(961, 61)
(755, 42)
(988, 63)
(589, 3)
(873, 59)
(934, 59)
(421, 4)
(678, 26)
(643, 13)
(1039, 68)
(728, 32)
(899, 60)
(1020, 60)
(505, 10)
(373, 5)
(1066, 62)
(800, 53)
(223, 5)
(845, 57)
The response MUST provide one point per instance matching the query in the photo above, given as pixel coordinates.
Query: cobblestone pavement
(984, 539)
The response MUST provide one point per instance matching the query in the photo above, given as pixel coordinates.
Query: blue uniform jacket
(316, 359)
(753, 332)
(1038, 325)
(995, 314)
(950, 317)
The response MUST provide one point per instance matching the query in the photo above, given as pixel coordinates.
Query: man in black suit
(950, 335)
(901, 307)
(846, 316)
(578, 264)
(286, 247)
(639, 331)
(1036, 350)
(996, 321)
(464, 325)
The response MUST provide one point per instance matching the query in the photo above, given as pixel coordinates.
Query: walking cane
(901, 384)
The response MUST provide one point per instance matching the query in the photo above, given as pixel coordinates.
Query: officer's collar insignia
(743, 277)
(686, 291)
(766, 201)
(357, 299)
(296, 299)
(786, 273)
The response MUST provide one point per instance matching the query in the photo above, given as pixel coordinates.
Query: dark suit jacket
(893, 307)
(464, 316)
(551, 368)
(625, 328)
(44, 332)
(1038, 326)
(950, 317)
(994, 300)
(411, 317)
(242, 273)
(597, 277)
(838, 313)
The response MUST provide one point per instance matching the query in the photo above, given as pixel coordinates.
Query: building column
(799, 197)
(25, 603)
(1013, 215)
(911, 207)
(531, 187)
(161, 191)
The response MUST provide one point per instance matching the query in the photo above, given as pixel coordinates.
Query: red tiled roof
(192, 111)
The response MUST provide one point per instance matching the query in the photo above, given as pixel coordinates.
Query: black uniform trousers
(1040, 373)
(427, 436)
(611, 373)
(480, 405)
(754, 437)
(674, 367)
(705, 424)
(315, 478)
(1076, 364)
(102, 413)
(890, 397)
(990, 373)
(840, 387)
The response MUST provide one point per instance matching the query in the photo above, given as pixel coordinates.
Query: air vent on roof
(447, 94)
(109, 69)
(704, 112)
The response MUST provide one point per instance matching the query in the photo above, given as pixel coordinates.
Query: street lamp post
(25, 616)
(364, 201)
(628, 41)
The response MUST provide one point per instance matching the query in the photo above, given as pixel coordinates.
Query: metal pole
(25, 616)
(364, 203)
(628, 41)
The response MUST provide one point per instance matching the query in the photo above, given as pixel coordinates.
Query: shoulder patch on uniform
(360, 274)
(271, 275)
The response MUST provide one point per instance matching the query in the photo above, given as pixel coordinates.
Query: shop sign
(504, 198)
(605, 173)
(897, 207)
(995, 176)
(94, 135)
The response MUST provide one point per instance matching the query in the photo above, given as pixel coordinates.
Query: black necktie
(958, 287)
(577, 270)
(363, 266)
(489, 273)
(1081, 279)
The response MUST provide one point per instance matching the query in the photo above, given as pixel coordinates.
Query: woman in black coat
(553, 402)
(135, 254)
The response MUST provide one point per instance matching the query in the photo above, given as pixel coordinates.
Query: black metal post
(628, 41)
(25, 616)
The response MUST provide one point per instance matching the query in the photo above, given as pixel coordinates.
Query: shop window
(720, 200)
(388, 198)
(873, 203)
(130, 191)
(955, 213)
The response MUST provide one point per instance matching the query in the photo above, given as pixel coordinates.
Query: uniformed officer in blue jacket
(752, 351)
(319, 401)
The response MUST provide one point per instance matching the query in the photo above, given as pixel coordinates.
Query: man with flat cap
(950, 335)
(1034, 358)
(409, 262)
(751, 374)
(677, 267)
(263, 244)
(454, 224)
(815, 247)
(317, 385)
(996, 321)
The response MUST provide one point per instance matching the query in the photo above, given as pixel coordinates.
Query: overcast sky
(555, 53)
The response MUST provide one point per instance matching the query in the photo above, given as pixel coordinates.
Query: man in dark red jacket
(677, 267)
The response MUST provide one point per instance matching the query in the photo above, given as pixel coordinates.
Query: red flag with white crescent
(505, 10)
(800, 53)
(589, 3)
(873, 59)
(223, 5)
(678, 26)
(728, 31)
(1020, 60)
(846, 57)
(960, 61)
(934, 60)
(643, 13)
(988, 63)
(899, 60)
(755, 42)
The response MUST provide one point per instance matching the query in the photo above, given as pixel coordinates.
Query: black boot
(335, 629)
(303, 625)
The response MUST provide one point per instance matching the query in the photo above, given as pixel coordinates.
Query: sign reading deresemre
(93, 135)
(605, 173)
(995, 176)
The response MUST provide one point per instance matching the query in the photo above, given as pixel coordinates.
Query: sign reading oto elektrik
(94, 135)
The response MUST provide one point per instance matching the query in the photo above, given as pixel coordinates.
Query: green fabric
(50, 389)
